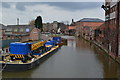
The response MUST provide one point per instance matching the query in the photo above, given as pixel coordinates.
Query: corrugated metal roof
(18, 27)
(90, 20)
(16, 34)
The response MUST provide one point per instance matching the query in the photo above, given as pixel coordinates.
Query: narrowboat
(24, 56)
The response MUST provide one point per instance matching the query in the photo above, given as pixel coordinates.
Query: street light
(105, 7)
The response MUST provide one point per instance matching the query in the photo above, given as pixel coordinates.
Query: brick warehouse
(112, 23)
(86, 26)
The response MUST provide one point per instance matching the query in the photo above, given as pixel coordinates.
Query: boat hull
(23, 67)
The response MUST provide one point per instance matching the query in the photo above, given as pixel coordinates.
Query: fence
(6, 43)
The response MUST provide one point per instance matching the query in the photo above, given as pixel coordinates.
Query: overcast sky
(50, 11)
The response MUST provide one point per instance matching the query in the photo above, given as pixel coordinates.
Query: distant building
(62, 27)
(34, 34)
(17, 33)
(100, 35)
(2, 30)
(71, 29)
(86, 26)
(54, 26)
(5, 40)
(46, 27)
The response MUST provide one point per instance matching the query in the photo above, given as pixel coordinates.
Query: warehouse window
(15, 30)
(27, 30)
(115, 21)
(21, 29)
(9, 29)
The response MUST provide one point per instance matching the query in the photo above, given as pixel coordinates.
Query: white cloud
(0, 12)
(53, 0)
(48, 13)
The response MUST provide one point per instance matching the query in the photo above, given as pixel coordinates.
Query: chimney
(17, 21)
(72, 20)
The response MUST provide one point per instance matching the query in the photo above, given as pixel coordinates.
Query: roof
(71, 27)
(16, 34)
(20, 26)
(90, 20)
(24, 27)
(2, 26)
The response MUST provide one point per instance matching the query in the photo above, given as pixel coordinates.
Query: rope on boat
(3, 68)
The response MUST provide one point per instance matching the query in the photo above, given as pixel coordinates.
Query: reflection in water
(77, 59)
(71, 43)
(110, 67)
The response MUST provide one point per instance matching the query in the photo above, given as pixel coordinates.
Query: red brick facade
(86, 29)
(112, 15)
(34, 34)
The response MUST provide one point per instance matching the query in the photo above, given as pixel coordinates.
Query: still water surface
(76, 59)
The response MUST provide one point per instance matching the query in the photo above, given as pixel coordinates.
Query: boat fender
(33, 59)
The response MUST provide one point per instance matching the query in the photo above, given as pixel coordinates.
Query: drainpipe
(117, 29)
(108, 28)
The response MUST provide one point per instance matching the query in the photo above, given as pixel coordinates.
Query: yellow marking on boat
(37, 45)
(22, 56)
(2, 62)
(48, 46)
(37, 57)
(18, 56)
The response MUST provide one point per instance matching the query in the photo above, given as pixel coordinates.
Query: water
(77, 59)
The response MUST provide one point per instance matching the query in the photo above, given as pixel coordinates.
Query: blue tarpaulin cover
(56, 38)
(20, 48)
(52, 42)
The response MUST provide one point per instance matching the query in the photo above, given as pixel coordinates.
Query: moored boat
(24, 56)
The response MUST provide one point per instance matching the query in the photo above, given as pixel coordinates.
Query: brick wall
(84, 26)
(34, 34)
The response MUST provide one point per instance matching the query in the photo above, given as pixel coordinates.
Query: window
(114, 21)
(15, 30)
(9, 29)
(27, 30)
(21, 29)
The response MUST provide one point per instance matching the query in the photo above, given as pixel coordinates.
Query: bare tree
(32, 22)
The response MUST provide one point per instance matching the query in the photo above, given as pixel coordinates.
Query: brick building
(86, 26)
(34, 34)
(54, 26)
(2, 30)
(112, 22)
(5, 40)
(71, 29)
(100, 35)
(16, 33)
